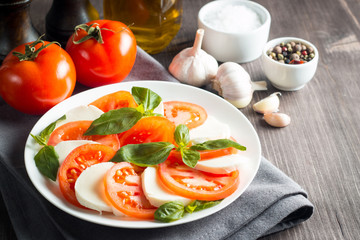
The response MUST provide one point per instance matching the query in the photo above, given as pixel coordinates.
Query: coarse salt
(234, 19)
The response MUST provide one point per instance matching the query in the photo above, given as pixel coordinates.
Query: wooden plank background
(320, 150)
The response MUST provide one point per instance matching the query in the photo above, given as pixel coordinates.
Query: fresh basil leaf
(182, 136)
(157, 114)
(41, 141)
(47, 161)
(151, 113)
(114, 121)
(169, 212)
(145, 97)
(190, 157)
(145, 154)
(217, 144)
(199, 205)
(44, 135)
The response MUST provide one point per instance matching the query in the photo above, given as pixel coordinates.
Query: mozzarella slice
(81, 113)
(90, 188)
(211, 129)
(155, 192)
(221, 165)
(159, 109)
(65, 147)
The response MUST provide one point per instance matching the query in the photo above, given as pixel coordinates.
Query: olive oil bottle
(153, 22)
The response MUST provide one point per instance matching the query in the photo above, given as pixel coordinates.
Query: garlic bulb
(234, 84)
(277, 119)
(269, 104)
(193, 65)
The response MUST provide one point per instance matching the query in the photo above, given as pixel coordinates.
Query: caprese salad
(132, 154)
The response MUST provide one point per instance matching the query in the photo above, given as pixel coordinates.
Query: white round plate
(241, 128)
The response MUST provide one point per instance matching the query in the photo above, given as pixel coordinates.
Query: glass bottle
(154, 22)
(16, 27)
(64, 15)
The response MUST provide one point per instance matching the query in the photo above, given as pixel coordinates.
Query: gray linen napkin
(273, 201)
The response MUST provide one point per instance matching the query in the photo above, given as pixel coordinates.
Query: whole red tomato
(103, 51)
(37, 77)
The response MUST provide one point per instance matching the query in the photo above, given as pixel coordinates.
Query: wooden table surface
(320, 149)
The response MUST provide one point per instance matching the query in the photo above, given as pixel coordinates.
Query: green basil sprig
(182, 138)
(121, 120)
(175, 210)
(146, 99)
(190, 155)
(153, 153)
(47, 160)
(44, 135)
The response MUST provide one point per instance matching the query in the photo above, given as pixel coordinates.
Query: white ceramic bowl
(288, 77)
(241, 46)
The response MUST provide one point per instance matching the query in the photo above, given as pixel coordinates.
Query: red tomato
(123, 189)
(76, 162)
(75, 131)
(190, 114)
(149, 129)
(103, 63)
(34, 86)
(195, 184)
(115, 100)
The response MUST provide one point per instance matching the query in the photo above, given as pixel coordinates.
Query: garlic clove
(269, 104)
(198, 74)
(193, 65)
(177, 65)
(277, 119)
(234, 84)
(241, 102)
(259, 86)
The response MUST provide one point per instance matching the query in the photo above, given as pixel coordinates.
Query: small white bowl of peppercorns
(289, 63)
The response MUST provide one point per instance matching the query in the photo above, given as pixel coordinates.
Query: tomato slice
(75, 131)
(76, 162)
(115, 100)
(190, 114)
(195, 184)
(124, 191)
(149, 129)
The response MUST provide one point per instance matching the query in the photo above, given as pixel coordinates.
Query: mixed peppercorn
(291, 53)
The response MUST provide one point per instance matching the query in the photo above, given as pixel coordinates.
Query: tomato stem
(93, 32)
(30, 51)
